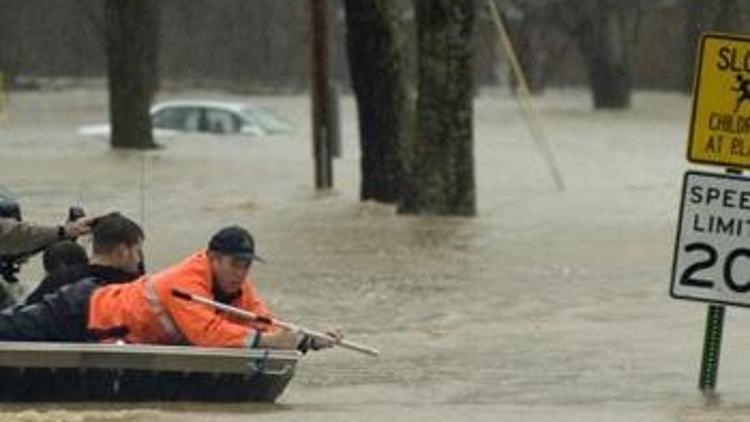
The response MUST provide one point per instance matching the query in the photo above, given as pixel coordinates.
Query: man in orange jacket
(146, 311)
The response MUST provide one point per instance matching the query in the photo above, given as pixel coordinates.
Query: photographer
(64, 262)
(18, 237)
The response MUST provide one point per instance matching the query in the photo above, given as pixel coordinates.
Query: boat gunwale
(147, 357)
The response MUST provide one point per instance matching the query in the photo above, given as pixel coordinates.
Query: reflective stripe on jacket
(150, 313)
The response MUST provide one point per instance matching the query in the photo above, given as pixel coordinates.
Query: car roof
(235, 106)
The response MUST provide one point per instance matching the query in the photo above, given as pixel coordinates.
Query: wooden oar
(181, 294)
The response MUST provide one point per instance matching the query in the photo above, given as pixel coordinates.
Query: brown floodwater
(548, 306)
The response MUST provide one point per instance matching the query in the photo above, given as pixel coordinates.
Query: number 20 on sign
(712, 252)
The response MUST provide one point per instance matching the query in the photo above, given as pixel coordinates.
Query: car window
(178, 118)
(221, 121)
(269, 122)
(195, 120)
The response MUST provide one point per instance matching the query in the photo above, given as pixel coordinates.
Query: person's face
(128, 257)
(229, 272)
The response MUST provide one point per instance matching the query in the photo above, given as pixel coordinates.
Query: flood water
(548, 306)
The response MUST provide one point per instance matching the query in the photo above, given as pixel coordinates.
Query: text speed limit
(712, 251)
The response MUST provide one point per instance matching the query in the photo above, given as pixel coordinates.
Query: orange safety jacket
(148, 313)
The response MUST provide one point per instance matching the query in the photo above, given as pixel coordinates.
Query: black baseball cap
(234, 241)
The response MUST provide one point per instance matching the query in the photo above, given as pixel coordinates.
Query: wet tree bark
(441, 171)
(131, 47)
(606, 39)
(376, 49)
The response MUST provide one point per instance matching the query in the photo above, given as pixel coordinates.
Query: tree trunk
(131, 43)
(702, 16)
(532, 53)
(441, 170)
(376, 48)
(320, 93)
(694, 25)
(11, 42)
(606, 40)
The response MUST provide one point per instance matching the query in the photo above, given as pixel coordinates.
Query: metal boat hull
(111, 372)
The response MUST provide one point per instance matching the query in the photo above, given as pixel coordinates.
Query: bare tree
(441, 173)
(376, 52)
(702, 16)
(538, 42)
(530, 36)
(605, 32)
(131, 43)
(606, 40)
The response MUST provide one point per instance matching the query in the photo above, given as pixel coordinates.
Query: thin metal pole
(711, 349)
(289, 326)
(537, 133)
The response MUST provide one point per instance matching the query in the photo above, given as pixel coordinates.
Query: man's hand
(336, 335)
(309, 342)
(78, 228)
(289, 340)
(280, 339)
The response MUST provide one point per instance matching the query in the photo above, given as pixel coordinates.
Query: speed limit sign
(712, 252)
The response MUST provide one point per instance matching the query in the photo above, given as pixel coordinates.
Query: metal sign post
(712, 342)
(711, 349)
(710, 255)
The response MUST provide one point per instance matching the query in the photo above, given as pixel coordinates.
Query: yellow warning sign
(720, 123)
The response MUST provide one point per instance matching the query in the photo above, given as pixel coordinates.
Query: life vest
(148, 312)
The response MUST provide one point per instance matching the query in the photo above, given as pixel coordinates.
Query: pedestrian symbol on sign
(743, 91)
(720, 121)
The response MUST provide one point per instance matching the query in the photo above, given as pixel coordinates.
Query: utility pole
(320, 93)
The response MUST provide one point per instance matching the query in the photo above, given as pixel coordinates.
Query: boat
(41, 371)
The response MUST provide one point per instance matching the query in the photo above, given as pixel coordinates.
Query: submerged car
(204, 116)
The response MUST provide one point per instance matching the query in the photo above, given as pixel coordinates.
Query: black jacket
(103, 274)
(60, 315)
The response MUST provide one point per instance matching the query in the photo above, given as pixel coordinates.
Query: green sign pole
(711, 349)
(712, 340)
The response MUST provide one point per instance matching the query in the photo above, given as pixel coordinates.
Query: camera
(10, 265)
(9, 208)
